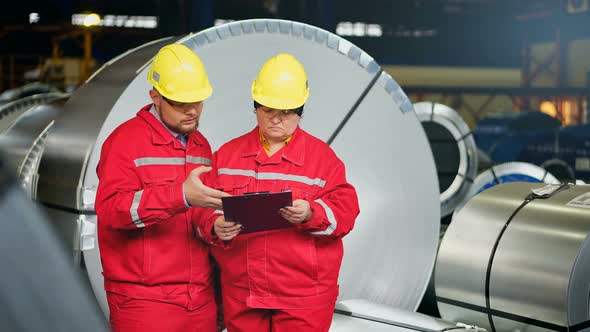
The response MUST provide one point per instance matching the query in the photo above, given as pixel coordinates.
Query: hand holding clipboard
(257, 212)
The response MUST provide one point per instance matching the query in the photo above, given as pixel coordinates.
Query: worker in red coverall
(286, 279)
(156, 274)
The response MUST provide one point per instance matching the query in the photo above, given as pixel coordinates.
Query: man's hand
(226, 230)
(198, 194)
(298, 213)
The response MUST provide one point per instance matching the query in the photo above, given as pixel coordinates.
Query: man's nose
(193, 109)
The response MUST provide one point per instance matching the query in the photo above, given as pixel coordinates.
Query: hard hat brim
(278, 103)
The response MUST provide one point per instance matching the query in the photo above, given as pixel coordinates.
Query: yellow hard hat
(281, 83)
(179, 74)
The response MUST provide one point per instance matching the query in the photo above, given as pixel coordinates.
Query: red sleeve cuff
(177, 199)
(317, 222)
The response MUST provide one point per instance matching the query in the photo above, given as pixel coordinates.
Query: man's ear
(154, 95)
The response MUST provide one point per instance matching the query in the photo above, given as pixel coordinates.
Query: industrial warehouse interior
(462, 125)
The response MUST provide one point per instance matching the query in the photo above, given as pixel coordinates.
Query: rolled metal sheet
(13, 110)
(507, 172)
(24, 141)
(361, 315)
(40, 290)
(519, 262)
(454, 150)
(355, 106)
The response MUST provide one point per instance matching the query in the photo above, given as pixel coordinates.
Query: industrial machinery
(564, 152)
(537, 138)
(504, 135)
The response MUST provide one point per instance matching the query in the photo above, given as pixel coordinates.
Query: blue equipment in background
(537, 138)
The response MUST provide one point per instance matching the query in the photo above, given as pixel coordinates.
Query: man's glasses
(182, 107)
(271, 113)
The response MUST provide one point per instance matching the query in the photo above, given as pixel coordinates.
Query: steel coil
(454, 152)
(517, 258)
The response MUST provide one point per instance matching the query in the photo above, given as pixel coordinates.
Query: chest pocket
(237, 187)
(302, 191)
(159, 178)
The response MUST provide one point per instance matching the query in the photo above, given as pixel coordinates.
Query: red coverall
(292, 271)
(156, 274)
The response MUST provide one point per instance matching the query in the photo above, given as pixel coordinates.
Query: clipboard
(257, 212)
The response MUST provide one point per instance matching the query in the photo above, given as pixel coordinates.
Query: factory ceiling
(412, 32)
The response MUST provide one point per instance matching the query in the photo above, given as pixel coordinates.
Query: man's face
(276, 125)
(182, 118)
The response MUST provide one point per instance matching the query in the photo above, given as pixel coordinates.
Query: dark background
(463, 32)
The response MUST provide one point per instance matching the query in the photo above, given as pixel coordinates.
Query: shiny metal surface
(384, 318)
(541, 267)
(67, 225)
(454, 142)
(13, 110)
(23, 141)
(40, 289)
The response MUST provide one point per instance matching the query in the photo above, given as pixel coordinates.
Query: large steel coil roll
(454, 152)
(24, 140)
(13, 110)
(502, 173)
(40, 290)
(517, 258)
(507, 172)
(354, 106)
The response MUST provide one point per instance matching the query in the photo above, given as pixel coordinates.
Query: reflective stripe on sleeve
(330, 214)
(133, 211)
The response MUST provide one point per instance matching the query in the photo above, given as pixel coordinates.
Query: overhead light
(34, 18)
(91, 20)
(549, 108)
(359, 29)
(120, 21)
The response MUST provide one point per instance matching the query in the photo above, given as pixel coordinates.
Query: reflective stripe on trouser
(240, 318)
(135, 315)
